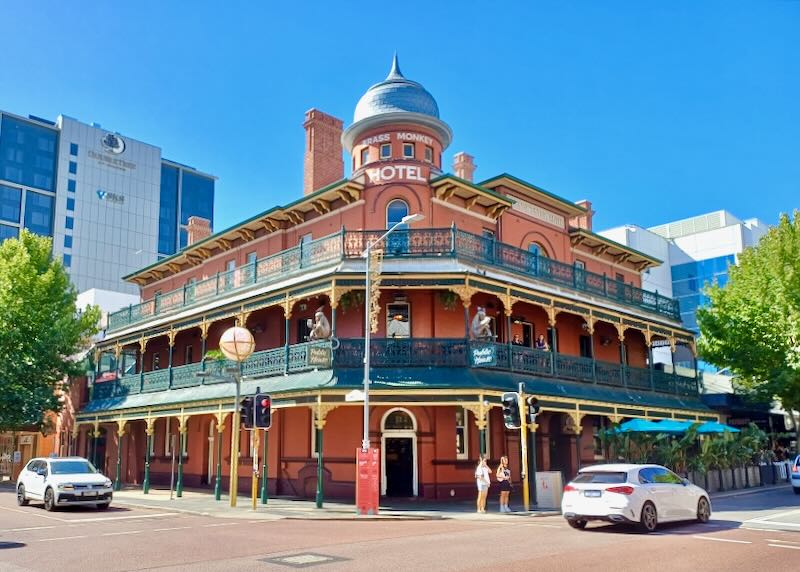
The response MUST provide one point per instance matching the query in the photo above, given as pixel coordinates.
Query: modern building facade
(111, 203)
(463, 298)
(696, 251)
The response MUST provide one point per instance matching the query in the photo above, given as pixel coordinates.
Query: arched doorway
(399, 453)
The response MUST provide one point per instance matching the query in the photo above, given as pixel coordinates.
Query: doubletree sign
(483, 355)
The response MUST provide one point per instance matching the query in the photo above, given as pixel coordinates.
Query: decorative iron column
(181, 446)
(264, 474)
(320, 418)
(95, 437)
(120, 433)
(149, 431)
(481, 420)
(532, 427)
(220, 441)
(171, 339)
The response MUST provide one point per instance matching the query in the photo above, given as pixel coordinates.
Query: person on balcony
(541, 343)
(517, 340)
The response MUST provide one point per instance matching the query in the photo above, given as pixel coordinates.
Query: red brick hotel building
(525, 257)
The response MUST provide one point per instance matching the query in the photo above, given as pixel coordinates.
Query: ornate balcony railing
(459, 352)
(276, 361)
(422, 243)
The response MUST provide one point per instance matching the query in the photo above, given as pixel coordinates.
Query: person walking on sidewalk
(503, 476)
(482, 478)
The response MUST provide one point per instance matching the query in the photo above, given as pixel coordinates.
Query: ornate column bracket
(551, 315)
(533, 427)
(241, 318)
(620, 331)
(614, 417)
(182, 421)
(117, 350)
(321, 411)
(150, 425)
(204, 325)
(121, 423)
(508, 303)
(97, 354)
(96, 432)
(648, 337)
(142, 345)
(287, 305)
(171, 333)
(465, 293)
(220, 416)
(480, 410)
(336, 295)
(590, 322)
(673, 343)
(76, 429)
(576, 417)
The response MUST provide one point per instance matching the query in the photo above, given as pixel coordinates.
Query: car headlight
(107, 483)
(66, 486)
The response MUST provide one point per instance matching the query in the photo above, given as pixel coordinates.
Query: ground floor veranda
(430, 437)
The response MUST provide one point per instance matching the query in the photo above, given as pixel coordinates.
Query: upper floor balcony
(450, 243)
(409, 354)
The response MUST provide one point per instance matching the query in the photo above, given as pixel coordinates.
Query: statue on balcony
(481, 328)
(320, 326)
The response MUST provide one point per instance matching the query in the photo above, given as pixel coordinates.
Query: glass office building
(111, 204)
(690, 279)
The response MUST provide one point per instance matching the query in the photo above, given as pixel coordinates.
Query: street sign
(319, 356)
(355, 395)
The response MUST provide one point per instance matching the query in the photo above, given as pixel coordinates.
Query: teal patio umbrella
(674, 426)
(715, 427)
(639, 426)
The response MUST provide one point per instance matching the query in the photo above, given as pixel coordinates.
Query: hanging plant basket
(448, 299)
(350, 300)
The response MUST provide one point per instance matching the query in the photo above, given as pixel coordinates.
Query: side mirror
(42, 472)
(685, 482)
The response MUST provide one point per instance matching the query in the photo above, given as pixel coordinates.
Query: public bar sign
(319, 356)
(367, 480)
(483, 355)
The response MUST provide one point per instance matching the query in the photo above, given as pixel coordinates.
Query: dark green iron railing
(423, 243)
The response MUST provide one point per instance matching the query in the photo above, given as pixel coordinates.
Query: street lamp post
(236, 344)
(366, 254)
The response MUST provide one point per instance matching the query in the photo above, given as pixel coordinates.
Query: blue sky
(652, 110)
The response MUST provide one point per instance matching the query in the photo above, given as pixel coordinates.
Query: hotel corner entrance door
(399, 456)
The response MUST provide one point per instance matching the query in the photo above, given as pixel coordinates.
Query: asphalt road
(752, 532)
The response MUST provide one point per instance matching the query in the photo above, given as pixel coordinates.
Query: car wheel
(577, 523)
(22, 500)
(103, 505)
(648, 520)
(796, 490)
(49, 500)
(703, 510)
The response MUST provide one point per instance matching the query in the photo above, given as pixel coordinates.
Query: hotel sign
(400, 136)
(389, 173)
(113, 145)
(537, 212)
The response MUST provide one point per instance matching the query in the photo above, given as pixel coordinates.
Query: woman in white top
(482, 474)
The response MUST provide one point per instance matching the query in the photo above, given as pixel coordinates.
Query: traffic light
(511, 410)
(246, 412)
(533, 408)
(263, 411)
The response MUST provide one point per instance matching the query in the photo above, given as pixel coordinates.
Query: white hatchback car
(643, 495)
(63, 481)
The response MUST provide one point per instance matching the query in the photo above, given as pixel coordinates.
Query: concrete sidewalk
(203, 503)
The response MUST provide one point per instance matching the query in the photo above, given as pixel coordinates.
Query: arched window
(398, 420)
(537, 249)
(395, 211)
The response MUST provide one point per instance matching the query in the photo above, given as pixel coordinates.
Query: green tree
(40, 328)
(752, 324)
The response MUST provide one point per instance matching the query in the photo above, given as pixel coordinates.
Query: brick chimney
(585, 220)
(323, 163)
(197, 229)
(464, 166)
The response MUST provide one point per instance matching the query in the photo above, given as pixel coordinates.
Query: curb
(751, 491)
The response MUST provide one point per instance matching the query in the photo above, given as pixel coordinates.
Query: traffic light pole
(235, 428)
(254, 483)
(264, 481)
(523, 446)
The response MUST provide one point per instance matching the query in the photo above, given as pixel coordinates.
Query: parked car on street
(641, 495)
(794, 475)
(63, 481)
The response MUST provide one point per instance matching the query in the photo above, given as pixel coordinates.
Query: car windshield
(601, 477)
(72, 467)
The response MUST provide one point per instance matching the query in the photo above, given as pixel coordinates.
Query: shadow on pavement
(688, 527)
(38, 505)
(5, 545)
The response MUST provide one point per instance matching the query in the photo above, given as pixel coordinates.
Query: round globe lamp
(237, 344)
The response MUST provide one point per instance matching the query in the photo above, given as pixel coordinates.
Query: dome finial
(395, 72)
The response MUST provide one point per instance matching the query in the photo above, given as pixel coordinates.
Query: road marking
(784, 541)
(126, 517)
(121, 533)
(722, 539)
(543, 525)
(769, 517)
(62, 538)
(32, 513)
(775, 523)
(27, 528)
(170, 528)
(784, 546)
(220, 524)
